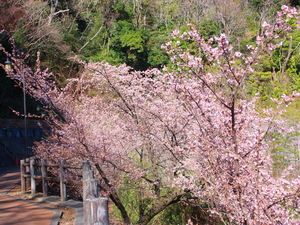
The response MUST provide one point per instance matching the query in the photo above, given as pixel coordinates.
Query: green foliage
(292, 112)
(277, 74)
(130, 42)
(156, 56)
(71, 39)
(114, 58)
(293, 72)
(210, 28)
(284, 151)
(181, 212)
(178, 213)
(259, 84)
(295, 2)
(133, 40)
(133, 198)
(259, 4)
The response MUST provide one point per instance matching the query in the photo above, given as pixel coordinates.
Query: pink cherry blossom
(167, 135)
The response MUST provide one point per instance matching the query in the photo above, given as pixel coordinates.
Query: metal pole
(25, 115)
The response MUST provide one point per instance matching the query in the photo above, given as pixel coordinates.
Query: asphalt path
(14, 211)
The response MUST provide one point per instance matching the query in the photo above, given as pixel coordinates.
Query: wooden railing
(95, 208)
(36, 170)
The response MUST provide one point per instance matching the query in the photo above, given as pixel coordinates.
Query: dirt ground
(67, 217)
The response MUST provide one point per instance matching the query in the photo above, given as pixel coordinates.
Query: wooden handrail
(28, 172)
(95, 209)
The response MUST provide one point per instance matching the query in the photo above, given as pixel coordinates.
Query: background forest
(133, 32)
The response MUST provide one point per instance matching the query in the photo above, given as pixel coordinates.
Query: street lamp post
(25, 113)
(8, 68)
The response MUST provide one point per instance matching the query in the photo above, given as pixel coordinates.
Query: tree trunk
(159, 206)
(53, 5)
(114, 196)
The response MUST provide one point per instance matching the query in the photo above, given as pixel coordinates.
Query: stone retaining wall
(13, 141)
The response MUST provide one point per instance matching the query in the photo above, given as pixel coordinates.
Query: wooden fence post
(62, 177)
(33, 183)
(23, 179)
(95, 211)
(44, 181)
(27, 171)
(37, 169)
(90, 185)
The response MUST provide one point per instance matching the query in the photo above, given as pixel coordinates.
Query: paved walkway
(15, 211)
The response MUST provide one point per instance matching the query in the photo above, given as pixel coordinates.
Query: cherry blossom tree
(187, 133)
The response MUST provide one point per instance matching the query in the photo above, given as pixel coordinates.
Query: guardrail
(95, 208)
